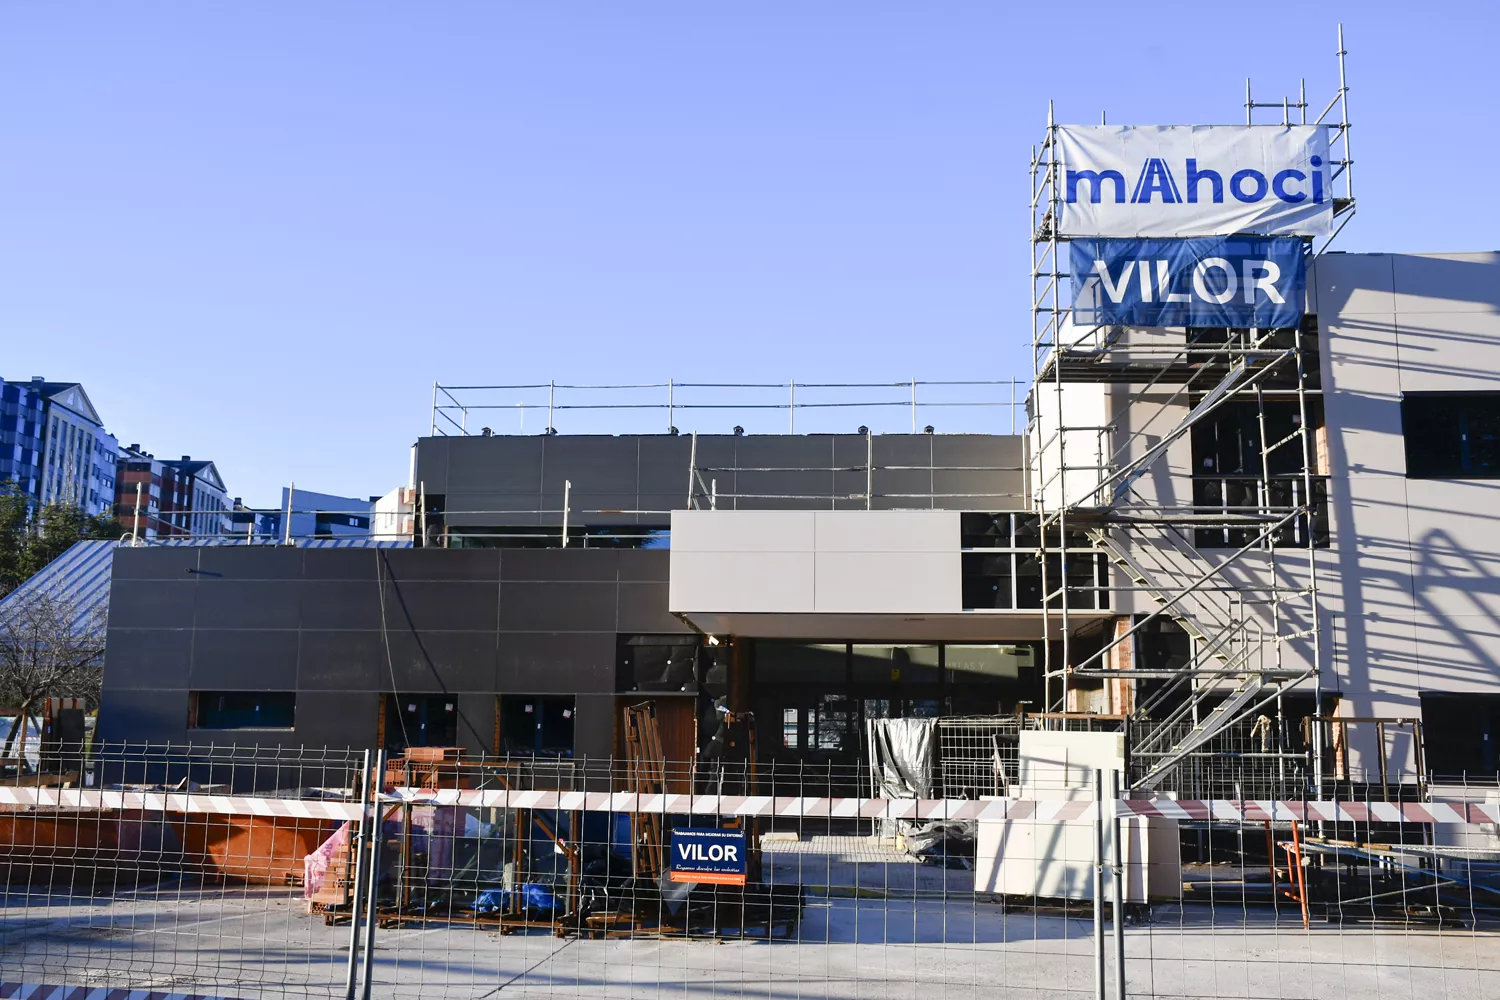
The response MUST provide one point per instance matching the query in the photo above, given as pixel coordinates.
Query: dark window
(1248, 463)
(244, 709)
(539, 724)
(625, 536)
(1451, 435)
(657, 663)
(420, 720)
(1460, 733)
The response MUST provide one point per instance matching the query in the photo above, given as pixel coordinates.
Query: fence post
(361, 837)
(1099, 884)
(372, 892)
(1118, 854)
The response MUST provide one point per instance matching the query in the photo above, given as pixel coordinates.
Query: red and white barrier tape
(39, 991)
(1046, 810)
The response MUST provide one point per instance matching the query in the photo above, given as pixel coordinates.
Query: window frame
(1426, 452)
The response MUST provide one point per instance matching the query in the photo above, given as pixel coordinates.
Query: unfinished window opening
(537, 724)
(243, 709)
(1451, 435)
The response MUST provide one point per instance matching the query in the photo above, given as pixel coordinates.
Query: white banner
(1194, 180)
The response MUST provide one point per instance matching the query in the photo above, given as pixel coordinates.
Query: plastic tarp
(315, 865)
(902, 755)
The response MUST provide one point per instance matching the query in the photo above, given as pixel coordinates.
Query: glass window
(778, 662)
(244, 709)
(895, 664)
(540, 724)
(1451, 435)
(967, 663)
(657, 663)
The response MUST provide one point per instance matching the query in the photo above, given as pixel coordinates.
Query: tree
(32, 536)
(48, 648)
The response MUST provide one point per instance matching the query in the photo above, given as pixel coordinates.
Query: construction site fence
(243, 872)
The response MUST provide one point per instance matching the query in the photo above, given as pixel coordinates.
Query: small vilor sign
(703, 854)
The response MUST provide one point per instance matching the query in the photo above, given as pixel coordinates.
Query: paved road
(254, 943)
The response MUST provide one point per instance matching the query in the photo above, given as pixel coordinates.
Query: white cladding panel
(862, 562)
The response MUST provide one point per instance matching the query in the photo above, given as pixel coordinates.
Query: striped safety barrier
(1041, 810)
(43, 991)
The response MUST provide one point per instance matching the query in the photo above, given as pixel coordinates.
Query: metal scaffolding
(1233, 564)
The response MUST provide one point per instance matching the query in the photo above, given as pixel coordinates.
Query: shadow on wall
(1419, 611)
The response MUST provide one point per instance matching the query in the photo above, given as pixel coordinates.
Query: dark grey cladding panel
(643, 608)
(144, 715)
(225, 603)
(244, 660)
(668, 502)
(432, 463)
(434, 604)
(334, 604)
(341, 661)
(245, 562)
(850, 456)
(337, 719)
(147, 658)
(154, 563)
(645, 565)
(594, 729)
(784, 450)
(476, 722)
(663, 462)
(562, 607)
(152, 603)
(599, 565)
(1000, 485)
(495, 464)
(440, 564)
(340, 564)
(593, 463)
(598, 509)
(441, 661)
(556, 662)
(517, 475)
(485, 510)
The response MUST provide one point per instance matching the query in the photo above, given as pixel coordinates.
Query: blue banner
(1214, 281)
(708, 854)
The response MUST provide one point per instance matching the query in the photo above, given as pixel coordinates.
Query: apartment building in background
(53, 444)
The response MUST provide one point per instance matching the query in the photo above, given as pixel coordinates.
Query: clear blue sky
(258, 232)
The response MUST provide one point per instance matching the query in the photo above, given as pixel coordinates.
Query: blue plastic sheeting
(533, 897)
(79, 575)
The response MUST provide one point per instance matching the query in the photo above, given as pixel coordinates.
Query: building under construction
(1260, 552)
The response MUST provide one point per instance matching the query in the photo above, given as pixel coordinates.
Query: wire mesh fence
(266, 873)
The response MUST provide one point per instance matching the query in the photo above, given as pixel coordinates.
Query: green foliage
(31, 537)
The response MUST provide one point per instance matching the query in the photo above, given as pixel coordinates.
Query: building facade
(822, 581)
(194, 501)
(313, 515)
(54, 446)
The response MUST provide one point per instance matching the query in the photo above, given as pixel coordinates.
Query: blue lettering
(1317, 161)
(1237, 185)
(1095, 179)
(1278, 185)
(1156, 179)
(1194, 176)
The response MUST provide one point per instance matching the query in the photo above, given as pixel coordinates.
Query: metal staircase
(1227, 650)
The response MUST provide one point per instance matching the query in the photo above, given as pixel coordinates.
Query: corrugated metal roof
(80, 575)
